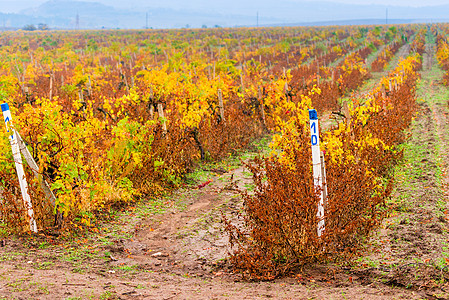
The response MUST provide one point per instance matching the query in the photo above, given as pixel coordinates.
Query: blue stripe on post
(313, 114)
(5, 106)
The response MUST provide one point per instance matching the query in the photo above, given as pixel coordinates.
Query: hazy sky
(11, 6)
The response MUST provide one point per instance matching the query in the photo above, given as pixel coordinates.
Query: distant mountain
(290, 11)
(63, 14)
(64, 8)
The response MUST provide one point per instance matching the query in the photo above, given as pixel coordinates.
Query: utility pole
(386, 16)
(146, 27)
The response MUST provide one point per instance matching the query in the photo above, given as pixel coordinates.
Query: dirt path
(329, 120)
(174, 247)
(170, 248)
(376, 76)
(411, 250)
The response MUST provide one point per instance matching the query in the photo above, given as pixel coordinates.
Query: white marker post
(19, 166)
(317, 168)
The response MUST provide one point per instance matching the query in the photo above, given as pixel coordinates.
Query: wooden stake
(346, 112)
(152, 112)
(34, 167)
(262, 106)
(220, 104)
(152, 103)
(324, 181)
(160, 110)
(51, 88)
(89, 87)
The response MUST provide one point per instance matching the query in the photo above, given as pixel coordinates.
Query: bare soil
(174, 247)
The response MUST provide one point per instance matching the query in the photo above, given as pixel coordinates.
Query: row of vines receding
(112, 117)
(279, 230)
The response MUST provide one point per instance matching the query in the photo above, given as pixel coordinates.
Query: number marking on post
(19, 167)
(317, 168)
